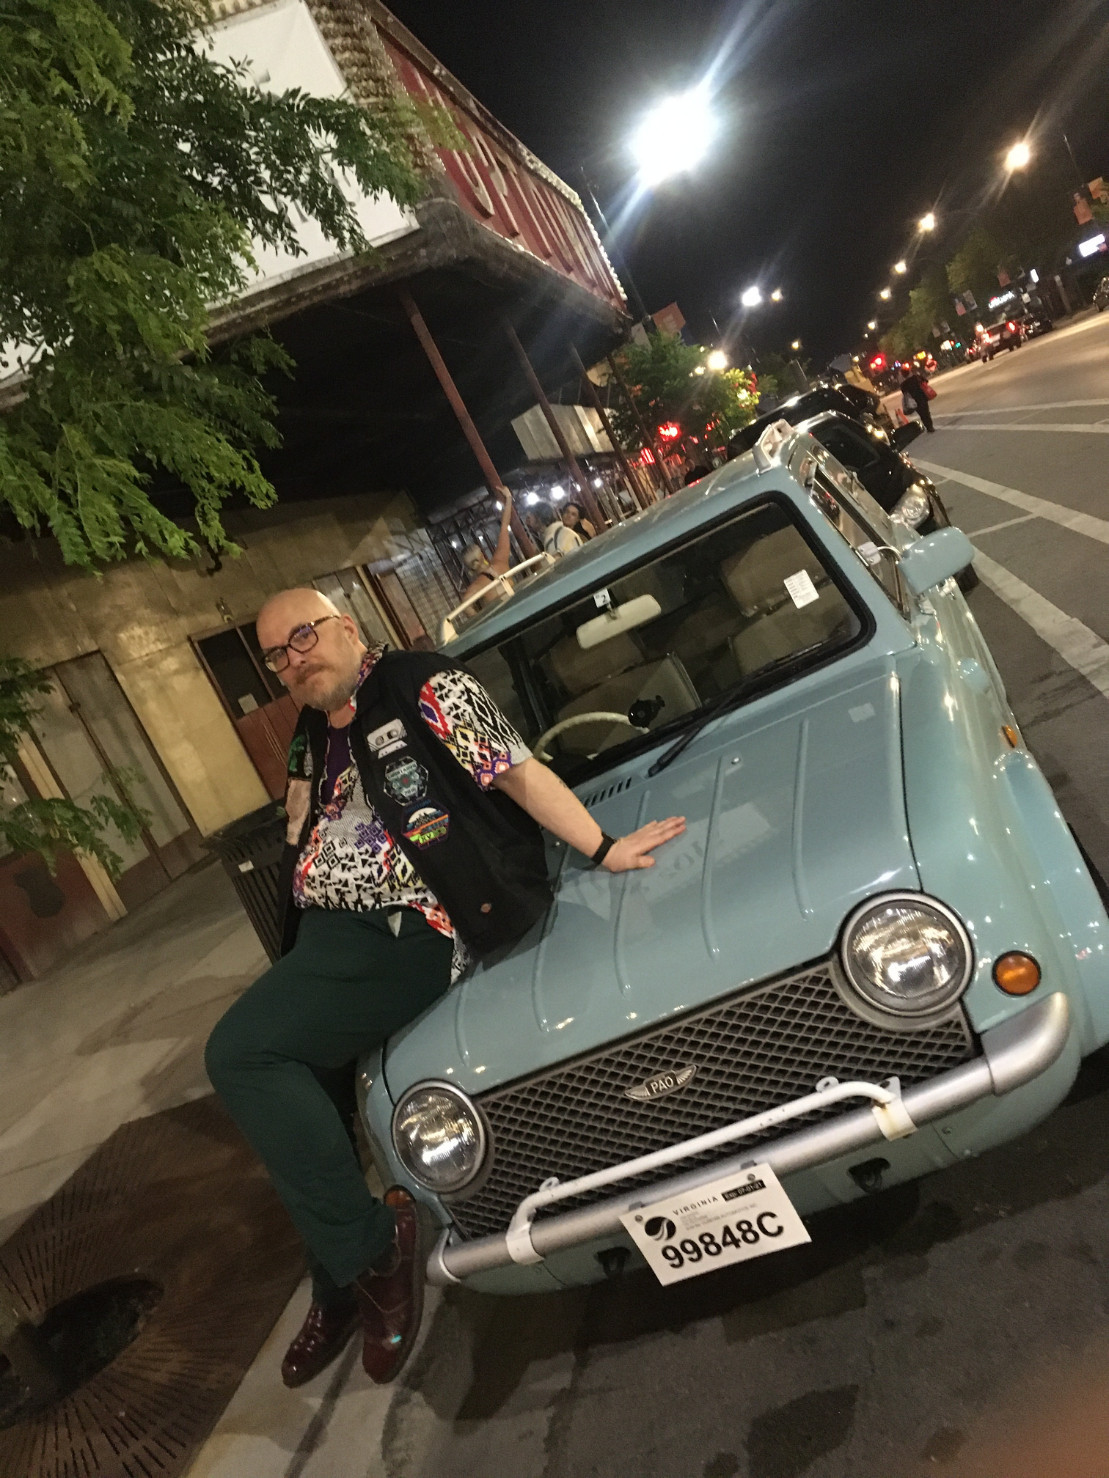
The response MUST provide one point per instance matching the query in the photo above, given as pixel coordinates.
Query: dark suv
(845, 400)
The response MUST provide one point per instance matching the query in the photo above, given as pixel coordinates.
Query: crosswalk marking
(1006, 523)
(1069, 518)
(1097, 428)
(1005, 410)
(1082, 648)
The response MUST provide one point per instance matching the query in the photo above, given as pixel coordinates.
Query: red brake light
(669, 431)
(1012, 326)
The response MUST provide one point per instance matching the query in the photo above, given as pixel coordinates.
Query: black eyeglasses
(303, 639)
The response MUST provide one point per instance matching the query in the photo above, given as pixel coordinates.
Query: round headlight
(438, 1137)
(913, 507)
(907, 954)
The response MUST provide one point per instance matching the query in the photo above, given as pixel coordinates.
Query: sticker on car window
(802, 591)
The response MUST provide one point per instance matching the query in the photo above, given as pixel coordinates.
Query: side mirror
(905, 434)
(930, 561)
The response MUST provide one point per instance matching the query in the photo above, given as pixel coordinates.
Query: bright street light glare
(795, 345)
(717, 360)
(776, 295)
(900, 267)
(750, 297)
(872, 325)
(1018, 156)
(885, 294)
(927, 222)
(674, 136)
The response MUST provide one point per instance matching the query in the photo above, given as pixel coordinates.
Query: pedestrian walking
(413, 847)
(915, 396)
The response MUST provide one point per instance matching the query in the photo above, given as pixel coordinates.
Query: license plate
(729, 1220)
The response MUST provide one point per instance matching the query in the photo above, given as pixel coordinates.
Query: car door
(877, 468)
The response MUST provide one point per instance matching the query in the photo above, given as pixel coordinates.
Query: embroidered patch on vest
(387, 739)
(405, 781)
(426, 825)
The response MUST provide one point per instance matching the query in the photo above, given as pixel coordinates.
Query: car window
(864, 534)
(686, 626)
(850, 450)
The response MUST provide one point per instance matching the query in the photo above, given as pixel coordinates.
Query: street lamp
(750, 297)
(795, 346)
(776, 295)
(927, 222)
(872, 325)
(1018, 156)
(901, 267)
(674, 136)
(886, 294)
(716, 360)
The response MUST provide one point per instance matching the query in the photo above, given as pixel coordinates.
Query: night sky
(843, 121)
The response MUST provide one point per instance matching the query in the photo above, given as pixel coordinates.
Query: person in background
(573, 516)
(914, 397)
(554, 536)
(483, 572)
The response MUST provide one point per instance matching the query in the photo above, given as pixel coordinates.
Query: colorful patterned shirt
(350, 860)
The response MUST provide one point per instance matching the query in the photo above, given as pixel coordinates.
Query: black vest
(480, 854)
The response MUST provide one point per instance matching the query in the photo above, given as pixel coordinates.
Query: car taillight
(1012, 328)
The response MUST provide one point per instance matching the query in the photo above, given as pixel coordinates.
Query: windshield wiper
(731, 698)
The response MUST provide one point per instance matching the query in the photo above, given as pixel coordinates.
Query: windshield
(646, 652)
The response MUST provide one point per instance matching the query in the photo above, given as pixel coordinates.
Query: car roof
(684, 512)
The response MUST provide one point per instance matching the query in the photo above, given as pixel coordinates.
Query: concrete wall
(141, 614)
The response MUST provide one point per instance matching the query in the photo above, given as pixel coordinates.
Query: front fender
(989, 840)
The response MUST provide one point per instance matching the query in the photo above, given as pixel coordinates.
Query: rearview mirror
(618, 619)
(930, 561)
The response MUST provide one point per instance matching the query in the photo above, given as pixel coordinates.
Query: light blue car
(876, 949)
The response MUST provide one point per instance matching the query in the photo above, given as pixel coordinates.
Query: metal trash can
(250, 850)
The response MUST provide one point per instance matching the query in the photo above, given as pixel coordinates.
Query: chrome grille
(759, 1048)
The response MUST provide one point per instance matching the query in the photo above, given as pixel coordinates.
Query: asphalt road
(958, 1327)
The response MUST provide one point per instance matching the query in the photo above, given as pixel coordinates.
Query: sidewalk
(118, 1033)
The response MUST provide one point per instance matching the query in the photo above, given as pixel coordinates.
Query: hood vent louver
(608, 792)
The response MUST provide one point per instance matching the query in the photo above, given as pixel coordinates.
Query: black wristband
(607, 844)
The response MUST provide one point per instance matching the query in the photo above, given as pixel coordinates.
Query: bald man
(414, 846)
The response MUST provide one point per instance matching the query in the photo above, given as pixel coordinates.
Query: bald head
(324, 675)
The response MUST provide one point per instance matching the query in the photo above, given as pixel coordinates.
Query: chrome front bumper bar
(1013, 1053)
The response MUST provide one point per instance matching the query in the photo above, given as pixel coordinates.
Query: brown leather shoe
(324, 1335)
(391, 1297)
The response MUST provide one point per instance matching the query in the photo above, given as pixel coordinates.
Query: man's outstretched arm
(538, 791)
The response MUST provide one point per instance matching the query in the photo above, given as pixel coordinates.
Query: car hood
(795, 813)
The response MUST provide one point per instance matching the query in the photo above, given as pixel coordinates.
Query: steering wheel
(540, 751)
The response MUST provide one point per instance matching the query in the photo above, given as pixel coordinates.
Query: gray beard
(336, 697)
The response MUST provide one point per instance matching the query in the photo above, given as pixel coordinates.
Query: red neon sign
(669, 431)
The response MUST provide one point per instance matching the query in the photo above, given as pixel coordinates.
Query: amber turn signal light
(1011, 735)
(1016, 974)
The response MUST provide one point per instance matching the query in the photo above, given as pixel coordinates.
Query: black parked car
(898, 487)
(1101, 294)
(845, 400)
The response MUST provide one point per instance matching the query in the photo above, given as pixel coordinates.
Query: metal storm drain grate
(147, 1285)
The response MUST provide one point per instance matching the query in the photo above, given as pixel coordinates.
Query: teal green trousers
(282, 1059)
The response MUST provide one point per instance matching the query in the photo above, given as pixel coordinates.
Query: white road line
(1079, 523)
(1046, 405)
(1098, 428)
(1082, 648)
(1007, 523)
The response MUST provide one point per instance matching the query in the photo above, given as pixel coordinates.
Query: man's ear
(350, 626)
